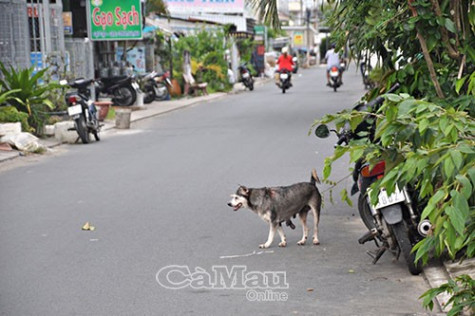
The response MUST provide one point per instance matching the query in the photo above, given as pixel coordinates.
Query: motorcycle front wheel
(163, 92)
(251, 85)
(124, 96)
(81, 128)
(402, 236)
(149, 96)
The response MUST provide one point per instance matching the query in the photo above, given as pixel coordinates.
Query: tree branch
(428, 59)
(445, 36)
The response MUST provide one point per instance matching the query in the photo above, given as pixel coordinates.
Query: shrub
(9, 114)
(31, 96)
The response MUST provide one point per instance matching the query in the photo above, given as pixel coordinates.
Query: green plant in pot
(28, 93)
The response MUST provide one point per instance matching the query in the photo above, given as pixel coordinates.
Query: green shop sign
(114, 20)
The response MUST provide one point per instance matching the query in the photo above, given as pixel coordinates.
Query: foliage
(162, 49)
(245, 48)
(156, 6)
(31, 96)
(426, 133)
(207, 52)
(431, 149)
(7, 95)
(462, 291)
(9, 114)
(274, 33)
(267, 11)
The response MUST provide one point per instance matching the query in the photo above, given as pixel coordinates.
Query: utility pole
(308, 13)
(317, 28)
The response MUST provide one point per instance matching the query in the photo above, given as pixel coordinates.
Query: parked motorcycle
(296, 64)
(394, 222)
(163, 84)
(246, 77)
(365, 69)
(335, 77)
(82, 109)
(123, 89)
(155, 86)
(284, 80)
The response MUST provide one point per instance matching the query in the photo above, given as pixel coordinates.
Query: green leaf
(423, 124)
(431, 43)
(394, 97)
(451, 237)
(450, 25)
(460, 203)
(457, 158)
(456, 219)
(466, 187)
(405, 106)
(327, 168)
(466, 149)
(459, 84)
(345, 197)
(356, 154)
(449, 168)
(471, 174)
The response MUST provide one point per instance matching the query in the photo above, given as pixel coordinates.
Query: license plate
(135, 85)
(245, 75)
(75, 110)
(334, 73)
(284, 76)
(385, 200)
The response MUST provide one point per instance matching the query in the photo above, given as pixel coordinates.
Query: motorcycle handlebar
(343, 137)
(341, 140)
(379, 100)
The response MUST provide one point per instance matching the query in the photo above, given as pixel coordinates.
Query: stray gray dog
(279, 204)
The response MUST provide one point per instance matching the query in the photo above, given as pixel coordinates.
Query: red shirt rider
(285, 60)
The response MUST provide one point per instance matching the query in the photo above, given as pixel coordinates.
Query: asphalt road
(157, 196)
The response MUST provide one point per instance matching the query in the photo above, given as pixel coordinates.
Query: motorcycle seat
(81, 83)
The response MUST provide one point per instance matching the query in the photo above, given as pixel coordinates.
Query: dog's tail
(314, 178)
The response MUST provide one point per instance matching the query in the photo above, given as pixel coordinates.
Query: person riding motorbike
(333, 59)
(285, 62)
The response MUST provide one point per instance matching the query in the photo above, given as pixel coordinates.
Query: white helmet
(285, 50)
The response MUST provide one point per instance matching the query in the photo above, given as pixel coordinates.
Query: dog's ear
(243, 190)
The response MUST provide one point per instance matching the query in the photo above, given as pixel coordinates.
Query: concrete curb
(438, 273)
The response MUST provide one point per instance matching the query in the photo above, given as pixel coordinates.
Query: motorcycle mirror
(322, 131)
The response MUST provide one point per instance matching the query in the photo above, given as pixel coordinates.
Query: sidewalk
(149, 110)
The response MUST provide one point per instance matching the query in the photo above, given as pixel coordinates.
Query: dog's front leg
(283, 241)
(272, 229)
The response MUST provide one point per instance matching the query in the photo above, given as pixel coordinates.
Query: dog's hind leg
(316, 219)
(283, 241)
(303, 220)
(272, 230)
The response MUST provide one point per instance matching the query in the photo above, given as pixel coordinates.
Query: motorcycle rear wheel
(149, 96)
(124, 96)
(401, 233)
(251, 85)
(365, 212)
(82, 129)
